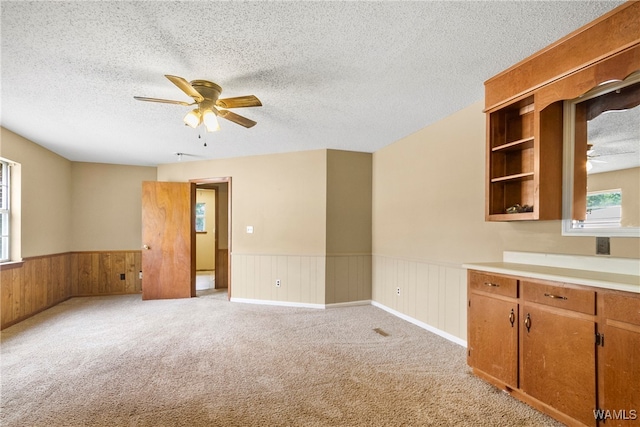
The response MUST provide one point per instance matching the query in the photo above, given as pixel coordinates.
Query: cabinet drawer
(624, 308)
(557, 295)
(493, 283)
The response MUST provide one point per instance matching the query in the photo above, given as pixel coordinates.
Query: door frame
(220, 180)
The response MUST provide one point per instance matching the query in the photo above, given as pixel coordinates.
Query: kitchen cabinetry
(524, 162)
(620, 361)
(558, 348)
(493, 335)
(524, 108)
(573, 349)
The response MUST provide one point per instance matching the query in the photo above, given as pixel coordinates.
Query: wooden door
(168, 239)
(493, 337)
(558, 361)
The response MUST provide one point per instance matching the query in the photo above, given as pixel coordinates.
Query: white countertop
(600, 279)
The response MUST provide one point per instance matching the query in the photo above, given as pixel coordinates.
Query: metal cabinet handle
(527, 322)
(493, 285)
(555, 296)
(512, 317)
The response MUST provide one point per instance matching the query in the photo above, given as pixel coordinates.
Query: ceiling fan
(205, 94)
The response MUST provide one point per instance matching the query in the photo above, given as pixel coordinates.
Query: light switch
(249, 229)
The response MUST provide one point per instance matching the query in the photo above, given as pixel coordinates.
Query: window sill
(8, 265)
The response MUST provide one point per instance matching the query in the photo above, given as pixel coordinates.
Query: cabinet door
(620, 361)
(621, 396)
(558, 361)
(493, 337)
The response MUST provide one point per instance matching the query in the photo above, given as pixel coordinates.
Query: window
(200, 221)
(4, 210)
(604, 209)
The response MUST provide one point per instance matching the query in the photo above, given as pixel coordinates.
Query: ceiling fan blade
(239, 102)
(242, 121)
(186, 87)
(164, 101)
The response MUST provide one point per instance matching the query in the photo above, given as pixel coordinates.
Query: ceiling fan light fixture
(193, 118)
(210, 121)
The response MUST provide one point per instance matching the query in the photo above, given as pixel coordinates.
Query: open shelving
(517, 137)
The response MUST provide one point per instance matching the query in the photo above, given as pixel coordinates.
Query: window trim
(5, 212)
(203, 216)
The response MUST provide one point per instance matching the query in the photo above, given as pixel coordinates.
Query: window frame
(202, 217)
(5, 212)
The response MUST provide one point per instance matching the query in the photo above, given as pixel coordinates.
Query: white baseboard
(349, 304)
(421, 324)
(403, 316)
(278, 303)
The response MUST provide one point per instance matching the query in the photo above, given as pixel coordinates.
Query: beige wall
(106, 207)
(283, 197)
(73, 206)
(205, 242)
(276, 194)
(311, 216)
(348, 263)
(348, 202)
(428, 219)
(45, 196)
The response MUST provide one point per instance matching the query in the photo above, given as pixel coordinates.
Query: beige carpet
(119, 361)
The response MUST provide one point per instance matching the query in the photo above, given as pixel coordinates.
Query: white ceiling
(342, 75)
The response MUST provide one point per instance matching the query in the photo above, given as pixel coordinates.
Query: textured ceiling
(343, 75)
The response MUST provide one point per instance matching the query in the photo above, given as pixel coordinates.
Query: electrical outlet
(602, 246)
(397, 291)
(278, 283)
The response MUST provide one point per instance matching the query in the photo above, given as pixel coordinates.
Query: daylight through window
(604, 209)
(200, 221)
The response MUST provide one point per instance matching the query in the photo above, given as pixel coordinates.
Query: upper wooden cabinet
(524, 161)
(524, 107)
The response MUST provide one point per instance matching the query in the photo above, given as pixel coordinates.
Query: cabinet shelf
(514, 177)
(521, 144)
(518, 137)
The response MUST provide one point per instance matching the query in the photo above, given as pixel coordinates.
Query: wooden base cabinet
(493, 335)
(559, 357)
(573, 352)
(619, 400)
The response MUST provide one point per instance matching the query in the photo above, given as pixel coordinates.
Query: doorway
(217, 256)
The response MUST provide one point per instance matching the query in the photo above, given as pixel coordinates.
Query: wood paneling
(430, 292)
(44, 281)
(348, 278)
(41, 282)
(302, 277)
(99, 273)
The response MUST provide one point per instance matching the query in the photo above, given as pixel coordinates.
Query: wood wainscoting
(100, 273)
(38, 283)
(33, 286)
